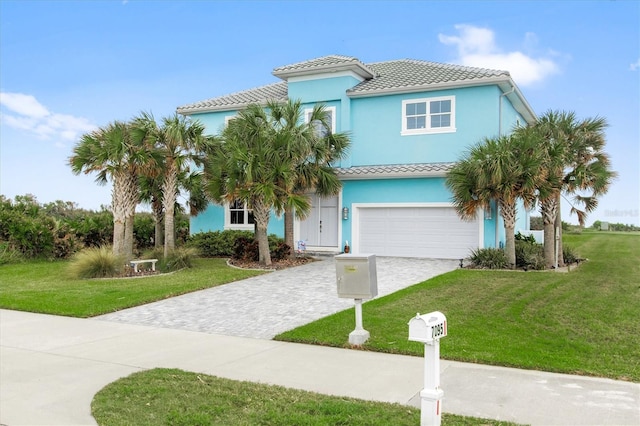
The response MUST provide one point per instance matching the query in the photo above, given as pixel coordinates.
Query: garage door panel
(416, 232)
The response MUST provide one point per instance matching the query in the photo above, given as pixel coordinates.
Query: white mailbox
(356, 276)
(428, 327)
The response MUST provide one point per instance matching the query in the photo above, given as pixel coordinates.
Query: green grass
(45, 287)
(175, 397)
(585, 322)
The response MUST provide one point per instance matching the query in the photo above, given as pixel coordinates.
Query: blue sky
(67, 67)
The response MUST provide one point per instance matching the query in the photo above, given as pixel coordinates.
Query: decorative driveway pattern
(264, 306)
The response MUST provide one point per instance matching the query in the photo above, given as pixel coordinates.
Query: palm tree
(504, 169)
(113, 153)
(250, 164)
(177, 139)
(313, 149)
(575, 164)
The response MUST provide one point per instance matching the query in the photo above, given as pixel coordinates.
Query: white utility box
(428, 327)
(356, 276)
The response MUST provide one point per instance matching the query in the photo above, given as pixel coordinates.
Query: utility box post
(429, 329)
(356, 277)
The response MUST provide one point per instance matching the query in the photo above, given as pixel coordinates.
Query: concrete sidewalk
(51, 367)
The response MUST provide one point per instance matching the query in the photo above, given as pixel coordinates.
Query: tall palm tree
(113, 153)
(250, 163)
(575, 164)
(176, 139)
(504, 169)
(313, 149)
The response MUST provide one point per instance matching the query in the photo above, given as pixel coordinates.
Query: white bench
(135, 264)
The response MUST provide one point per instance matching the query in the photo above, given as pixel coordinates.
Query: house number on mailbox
(438, 330)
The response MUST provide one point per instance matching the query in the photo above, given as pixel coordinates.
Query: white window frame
(428, 129)
(331, 110)
(237, 226)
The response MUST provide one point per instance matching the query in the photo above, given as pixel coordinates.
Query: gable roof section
(238, 100)
(325, 64)
(408, 75)
(379, 78)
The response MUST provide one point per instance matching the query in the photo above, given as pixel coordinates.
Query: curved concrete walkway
(269, 304)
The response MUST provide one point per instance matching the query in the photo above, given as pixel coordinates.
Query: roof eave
(389, 175)
(323, 69)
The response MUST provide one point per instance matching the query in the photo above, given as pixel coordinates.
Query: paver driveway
(264, 306)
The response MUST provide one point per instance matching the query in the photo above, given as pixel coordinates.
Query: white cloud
(26, 113)
(635, 65)
(477, 48)
(23, 104)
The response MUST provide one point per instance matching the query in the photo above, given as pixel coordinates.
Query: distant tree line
(57, 230)
(598, 225)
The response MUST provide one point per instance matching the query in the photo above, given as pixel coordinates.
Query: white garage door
(433, 232)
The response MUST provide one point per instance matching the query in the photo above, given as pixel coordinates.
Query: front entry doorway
(320, 228)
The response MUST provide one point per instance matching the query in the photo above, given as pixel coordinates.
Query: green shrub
(246, 249)
(281, 251)
(489, 258)
(569, 255)
(218, 243)
(180, 258)
(528, 238)
(95, 262)
(9, 255)
(529, 255)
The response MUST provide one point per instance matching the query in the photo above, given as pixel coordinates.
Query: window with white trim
(428, 115)
(331, 119)
(237, 216)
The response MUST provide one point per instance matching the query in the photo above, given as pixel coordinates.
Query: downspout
(500, 109)
(497, 236)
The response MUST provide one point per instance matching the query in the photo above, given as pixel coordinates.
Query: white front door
(320, 228)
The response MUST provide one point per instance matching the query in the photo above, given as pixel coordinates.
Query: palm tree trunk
(558, 226)
(128, 236)
(549, 210)
(288, 231)
(261, 216)
(169, 188)
(159, 223)
(131, 200)
(118, 196)
(508, 213)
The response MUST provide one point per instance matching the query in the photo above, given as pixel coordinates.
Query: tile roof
(394, 170)
(238, 100)
(324, 64)
(410, 74)
(397, 76)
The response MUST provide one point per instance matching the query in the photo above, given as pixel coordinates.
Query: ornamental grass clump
(489, 258)
(96, 263)
(179, 258)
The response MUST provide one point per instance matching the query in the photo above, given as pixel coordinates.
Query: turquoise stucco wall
(321, 89)
(377, 124)
(420, 190)
(212, 219)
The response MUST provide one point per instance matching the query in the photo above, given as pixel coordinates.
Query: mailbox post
(429, 329)
(356, 277)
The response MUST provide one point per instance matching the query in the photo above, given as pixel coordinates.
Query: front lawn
(585, 322)
(45, 288)
(175, 397)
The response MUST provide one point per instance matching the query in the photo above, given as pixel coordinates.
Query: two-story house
(409, 121)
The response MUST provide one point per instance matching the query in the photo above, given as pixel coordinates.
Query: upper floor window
(430, 115)
(331, 120)
(237, 216)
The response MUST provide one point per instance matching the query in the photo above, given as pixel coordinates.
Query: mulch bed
(275, 264)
